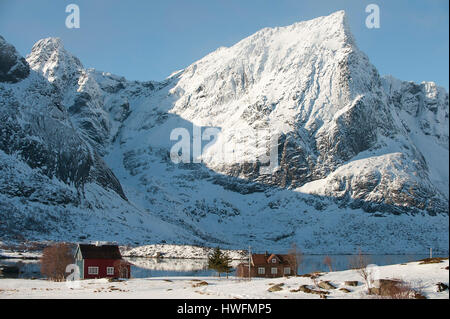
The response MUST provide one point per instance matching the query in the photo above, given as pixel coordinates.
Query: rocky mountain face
(92, 150)
(13, 67)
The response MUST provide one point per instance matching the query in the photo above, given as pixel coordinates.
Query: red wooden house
(268, 266)
(101, 261)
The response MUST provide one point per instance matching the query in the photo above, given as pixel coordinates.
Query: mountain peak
(308, 70)
(334, 26)
(49, 57)
(51, 43)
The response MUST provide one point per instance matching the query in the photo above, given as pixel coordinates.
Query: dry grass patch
(200, 284)
(434, 260)
(312, 275)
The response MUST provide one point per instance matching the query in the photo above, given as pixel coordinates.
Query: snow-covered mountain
(363, 160)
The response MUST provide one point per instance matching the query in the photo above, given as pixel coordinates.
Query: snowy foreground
(422, 277)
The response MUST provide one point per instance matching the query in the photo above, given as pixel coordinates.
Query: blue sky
(147, 40)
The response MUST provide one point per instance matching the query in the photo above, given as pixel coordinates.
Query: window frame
(261, 271)
(91, 270)
(108, 273)
(288, 270)
(274, 271)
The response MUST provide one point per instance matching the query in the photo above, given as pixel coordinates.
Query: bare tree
(20, 265)
(296, 256)
(329, 262)
(122, 268)
(55, 259)
(360, 263)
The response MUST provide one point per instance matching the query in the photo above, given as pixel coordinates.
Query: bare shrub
(360, 263)
(329, 262)
(122, 268)
(55, 259)
(296, 256)
(398, 289)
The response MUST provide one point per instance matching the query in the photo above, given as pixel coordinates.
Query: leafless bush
(398, 289)
(296, 255)
(122, 268)
(55, 259)
(329, 262)
(360, 263)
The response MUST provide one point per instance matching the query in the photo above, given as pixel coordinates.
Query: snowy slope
(360, 156)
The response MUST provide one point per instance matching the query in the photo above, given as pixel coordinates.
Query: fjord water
(152, 267)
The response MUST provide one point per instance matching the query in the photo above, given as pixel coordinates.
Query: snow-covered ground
(423, 277)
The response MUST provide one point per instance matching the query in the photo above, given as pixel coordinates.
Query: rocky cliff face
(13, 67)
(36, 129)
(349, 142)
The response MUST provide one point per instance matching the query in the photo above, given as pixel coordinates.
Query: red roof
(265, 259)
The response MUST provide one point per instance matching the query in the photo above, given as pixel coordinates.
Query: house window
(274, 260)
(274, 271)
(110, 271)
(261, 270)
(287, 270)
(93, 270)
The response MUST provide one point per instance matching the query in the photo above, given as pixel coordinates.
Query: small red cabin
(268, 266)
(101, 261)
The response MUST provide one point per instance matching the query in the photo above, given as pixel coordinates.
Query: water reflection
(15, 268)
(153, 267)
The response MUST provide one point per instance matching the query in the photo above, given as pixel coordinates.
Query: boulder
(275, 288)
(201, 283)
(384, 284)
(396, 289)
(305, 289)
(326, 285)
(353, 283)
(441, 287)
